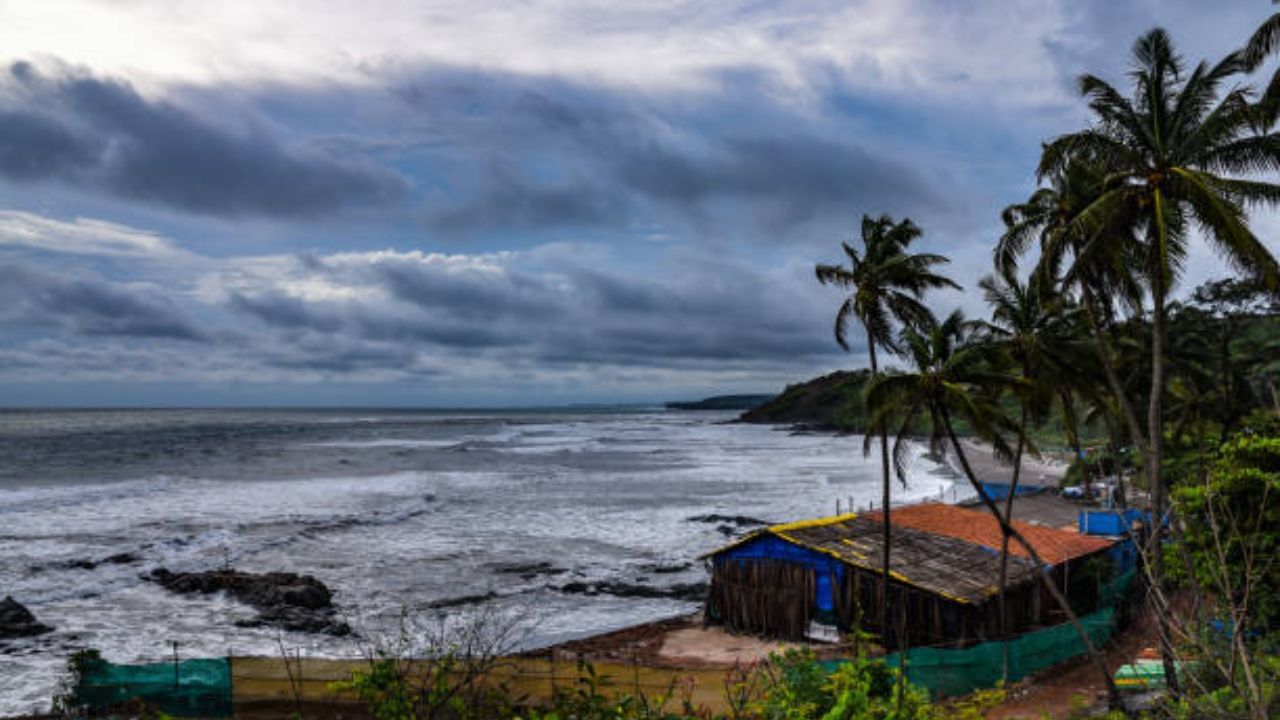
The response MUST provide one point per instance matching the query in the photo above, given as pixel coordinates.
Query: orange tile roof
(978, 527)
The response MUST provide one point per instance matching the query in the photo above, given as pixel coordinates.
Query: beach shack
(782, 580)
(779, 580)
(1081, 565)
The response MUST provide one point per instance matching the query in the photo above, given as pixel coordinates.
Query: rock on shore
(16, 621)
(284, 600)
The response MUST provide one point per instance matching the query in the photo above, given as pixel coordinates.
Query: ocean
(398, 512)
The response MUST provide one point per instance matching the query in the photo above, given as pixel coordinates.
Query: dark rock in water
(738, 520)
(528, 571)
(664, 568)
(16, 620)
(125, 558)
(463, 600)
(283, 600)
(692, 592)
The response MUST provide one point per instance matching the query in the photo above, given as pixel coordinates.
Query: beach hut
(781, 580)
(1081, 565)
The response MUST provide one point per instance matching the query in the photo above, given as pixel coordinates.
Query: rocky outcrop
(729, 525)
(692, 592)
(284, 600)
(126, 558)
(16, 621)
(830, 402)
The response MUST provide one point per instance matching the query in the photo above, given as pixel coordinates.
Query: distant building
(944, 563)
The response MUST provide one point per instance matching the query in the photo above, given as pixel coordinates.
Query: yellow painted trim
(779, 530)
(815, 522)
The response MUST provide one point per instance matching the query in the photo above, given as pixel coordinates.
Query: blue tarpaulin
(1109, 522)
(768, 547)
(1000, 491)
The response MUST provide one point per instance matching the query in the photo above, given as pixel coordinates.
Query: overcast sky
(507, 203)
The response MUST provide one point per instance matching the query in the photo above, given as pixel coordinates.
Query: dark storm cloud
(546, 309)
(101, 133)
(571, 154)
(470, 296)
(326, 355)
(87, 306)
(37, 147)
(446, 326)
(282, 311)
(505, 199)
(803, 175)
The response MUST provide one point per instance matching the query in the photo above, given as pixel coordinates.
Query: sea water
(397, 511)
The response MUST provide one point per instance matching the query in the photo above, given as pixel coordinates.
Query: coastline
(1036, 471)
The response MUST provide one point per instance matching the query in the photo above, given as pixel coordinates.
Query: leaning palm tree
(953, 378)
(1028, 324)
(886, 284)
(1172, 153)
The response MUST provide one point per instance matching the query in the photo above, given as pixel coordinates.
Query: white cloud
(887, 45)
(82, 236)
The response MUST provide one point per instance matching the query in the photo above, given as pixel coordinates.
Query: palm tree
(1102, 279)
(1262, 44)
(886, 284)
(1028, 324)
(1171, 153)
(956, 377)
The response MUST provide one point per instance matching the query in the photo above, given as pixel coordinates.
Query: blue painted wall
(770, 547)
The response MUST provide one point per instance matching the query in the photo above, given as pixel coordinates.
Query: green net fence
(190, 688)
(948, 671)
(956, 672)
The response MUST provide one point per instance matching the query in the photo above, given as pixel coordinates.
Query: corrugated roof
(952, 568)
(977, 526)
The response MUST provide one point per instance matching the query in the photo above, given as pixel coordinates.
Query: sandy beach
(1038, 471)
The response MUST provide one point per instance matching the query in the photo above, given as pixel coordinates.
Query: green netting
(190, 688)
(956, 672)
(1116, 590)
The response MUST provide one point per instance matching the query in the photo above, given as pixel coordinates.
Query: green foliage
(789, 686)
(446, 686)
(797, 688)
(800, 689)
(1227, 702)
(1261, 423)
(66, 702)
(593, 698)
(1236, 512)
(385, 689)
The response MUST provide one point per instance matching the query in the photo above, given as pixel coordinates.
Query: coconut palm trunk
(884, 499)
(1155, 477)
(1009, 532)
(1004, 540)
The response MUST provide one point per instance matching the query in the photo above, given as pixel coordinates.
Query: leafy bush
(66, 702)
